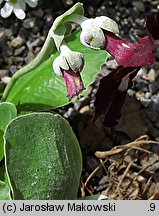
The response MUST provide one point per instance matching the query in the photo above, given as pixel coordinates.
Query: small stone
(135, 12)
(17, 42)
(9, 32)
(112, 64)
(142, 84)
(152, 75)
(3, 73)
(6, 80)
(19, 51)
(8, 50)
(68, 113)
(48, 19)
(85, 109)
(139, 95)
(139, 5)
(145, 102)
(91, 10)
(2, 35)
(69, 2)
(131, 92)
(9, 60)
(38, 13)
(29, 57)
(125, 2)
(38, 42)
(154, 87)
(29, 23)
(18, 60)
(15, 28)
(13, 69)
(1, 61)
(148, 95)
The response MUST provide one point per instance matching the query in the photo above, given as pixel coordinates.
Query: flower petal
(130, 54)
(7, 10)
(107, 24)
(58, 64)
(32, 3)
(111, 94)
(152, 24)
(20, 14)
(73, 82)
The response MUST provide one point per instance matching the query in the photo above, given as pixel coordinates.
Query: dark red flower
(130, 57)
(130, 54)
(111, 94)
(73, 83)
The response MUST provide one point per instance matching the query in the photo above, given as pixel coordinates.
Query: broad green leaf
(61, 24)
(38, 88)
(3, 175)
(4, 191)
(7, 113)
(43, 157)
(1, 145)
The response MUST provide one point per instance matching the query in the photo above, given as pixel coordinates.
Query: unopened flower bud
(69, 65)
(68, 59)
(92, 34)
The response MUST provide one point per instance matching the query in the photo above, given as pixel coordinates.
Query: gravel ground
(20, 42)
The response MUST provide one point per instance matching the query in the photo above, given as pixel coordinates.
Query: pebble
(145, 102)
(38, 13)
(19, 51)
(9, 60)
(91, 10)
(69, 2)
(84, 109)
(125, 2)
(152, 75)
(135, 12)
(6, 80)
(15, 28)
(141, 84)
(30, 57)
(2, 35)
(29, 23)
(13, 69)
(17, 42)
(139, 5)
(18, 60)
(131, 92)
(154, 87)
(148, 95)
(153, 110)
(3, 73)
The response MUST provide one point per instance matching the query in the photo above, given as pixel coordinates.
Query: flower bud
(68, 60)
(69, 65)
(92, 34)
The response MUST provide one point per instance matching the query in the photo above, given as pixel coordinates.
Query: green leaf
(7, 113)
(43, 157)
(3, 175)
(59, 27)
(4, 191)
(40, 89)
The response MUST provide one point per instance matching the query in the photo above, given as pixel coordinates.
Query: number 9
(152, 206)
